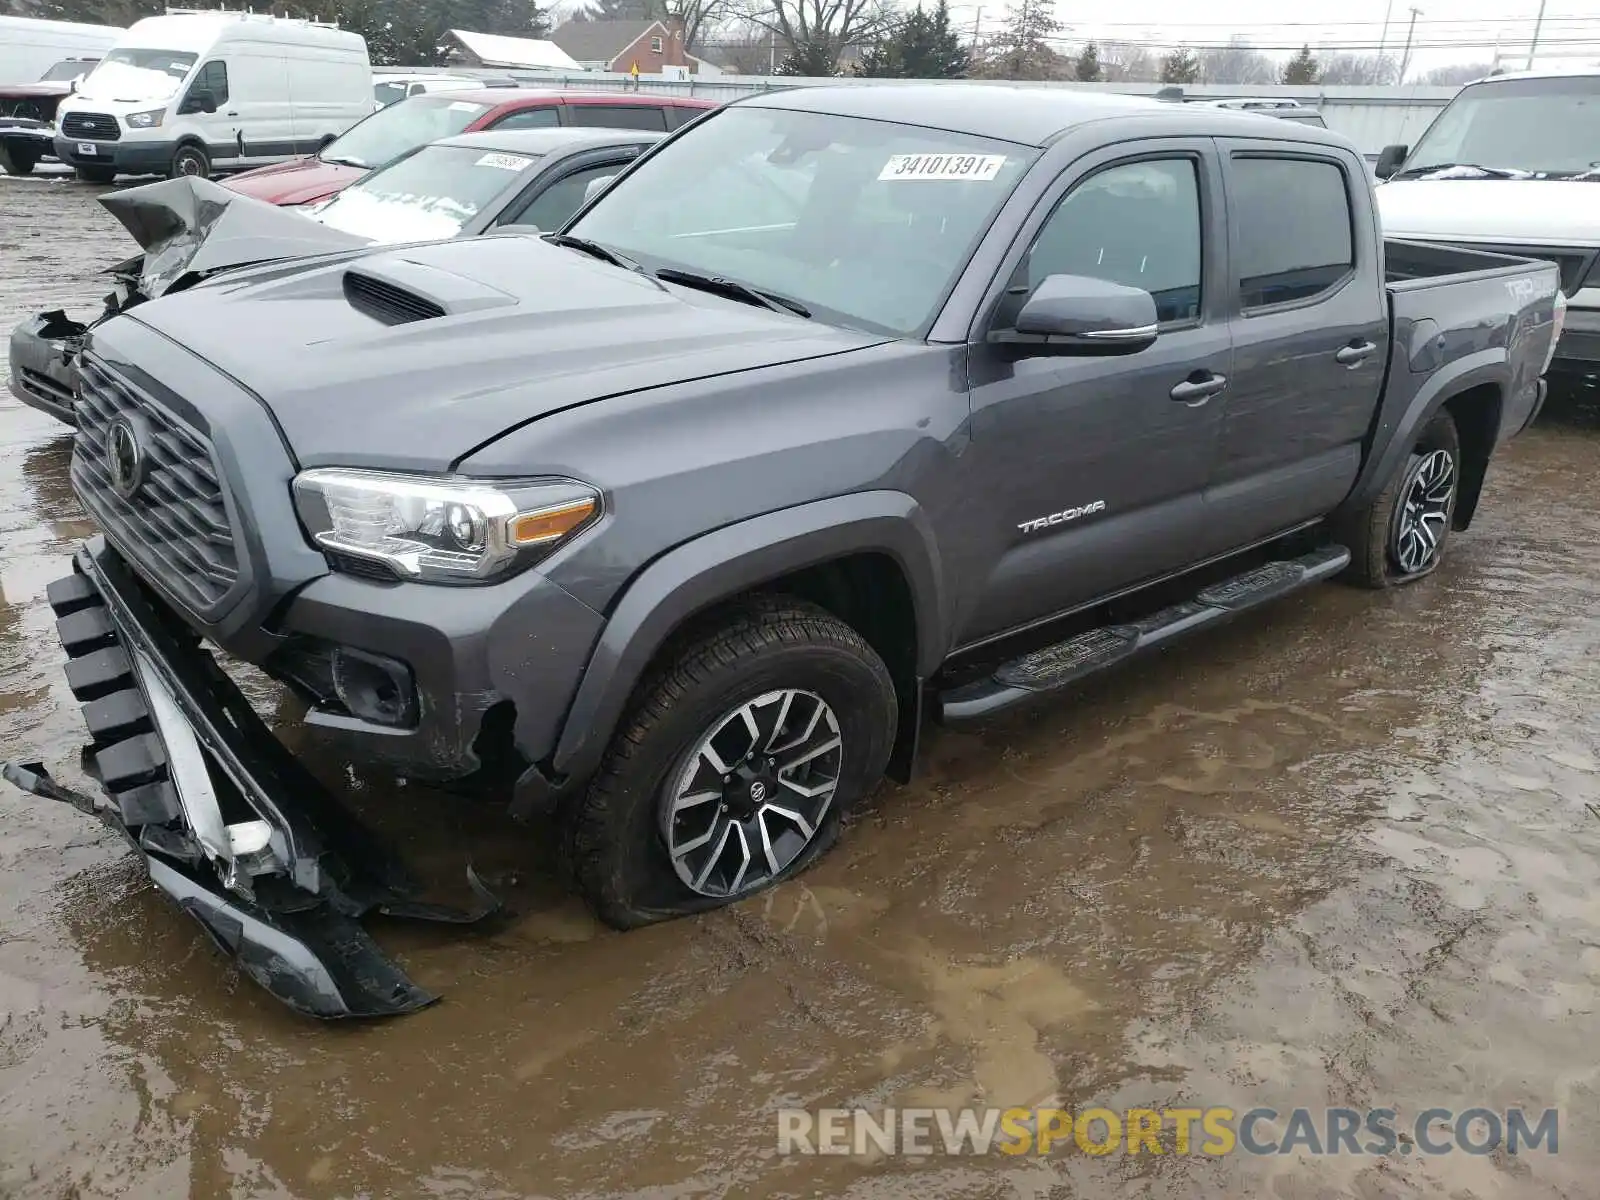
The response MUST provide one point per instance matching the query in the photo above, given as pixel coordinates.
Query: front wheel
(1401, 535)
(190, 160)
(734, 765)
(18, 159)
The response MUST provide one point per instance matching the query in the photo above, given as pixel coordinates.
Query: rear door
(1091, 472)
(1310, 325)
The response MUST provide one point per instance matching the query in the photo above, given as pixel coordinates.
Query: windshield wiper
(1486, 172)
(343, 162)
(734, 290)
(594, 250)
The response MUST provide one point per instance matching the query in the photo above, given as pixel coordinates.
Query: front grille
(175, 527)
(99, 127)
(387, 303)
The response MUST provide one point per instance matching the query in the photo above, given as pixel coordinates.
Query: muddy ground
(1339, 855)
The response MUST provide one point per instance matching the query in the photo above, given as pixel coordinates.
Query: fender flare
(1473, 370)
(711, 568)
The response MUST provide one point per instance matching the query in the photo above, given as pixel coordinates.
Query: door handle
(1195, 392)
(1355, 353)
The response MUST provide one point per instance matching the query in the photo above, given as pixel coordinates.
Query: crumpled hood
(529, 329)
(298, 181)
(1539, 212)
(190, 227)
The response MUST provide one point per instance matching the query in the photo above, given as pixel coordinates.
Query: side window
(1136, 224)
(530, 118)
(551, 207)
(617, 116)
(1292, 218)
(213, 78)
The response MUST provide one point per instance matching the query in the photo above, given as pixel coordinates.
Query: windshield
(1547, 127)
(64, 71)
(400, 128)
(425, 196)
(866, 221)
(128, 74)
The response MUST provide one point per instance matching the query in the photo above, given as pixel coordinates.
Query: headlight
(437, 529)
(145, 120)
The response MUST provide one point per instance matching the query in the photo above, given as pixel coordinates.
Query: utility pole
(1537, 25)
(977, 29)
(1383, 38)
(1405, 58)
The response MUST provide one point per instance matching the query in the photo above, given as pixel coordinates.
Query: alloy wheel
(1424, 511)
(753, 793)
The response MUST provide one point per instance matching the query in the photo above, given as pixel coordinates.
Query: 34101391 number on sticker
(942, 166)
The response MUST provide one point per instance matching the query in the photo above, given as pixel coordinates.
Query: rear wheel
(190, 160)
(101, 175)
(734, 765)
(1401, 535)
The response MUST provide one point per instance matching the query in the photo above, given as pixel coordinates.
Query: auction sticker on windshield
(942, 166)
(506, 162)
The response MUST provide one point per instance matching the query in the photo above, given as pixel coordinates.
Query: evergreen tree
(1087, 68)
(1180, 66)
(923, 46)
(1022, 50)
(1302, 67)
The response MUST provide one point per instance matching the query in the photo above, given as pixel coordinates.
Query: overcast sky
(1453, 32)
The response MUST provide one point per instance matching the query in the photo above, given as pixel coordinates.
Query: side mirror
(595, 186)
(1074, 315)
(199, 101)
(1390, 161)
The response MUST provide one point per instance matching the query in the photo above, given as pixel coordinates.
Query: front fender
(732, 560)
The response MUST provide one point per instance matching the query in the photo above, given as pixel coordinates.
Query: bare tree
(1451, 76)
(1237, 62)
(1358, 70)
(814, 34)
(1121, 62)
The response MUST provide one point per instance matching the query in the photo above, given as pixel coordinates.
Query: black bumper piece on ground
(229, 824)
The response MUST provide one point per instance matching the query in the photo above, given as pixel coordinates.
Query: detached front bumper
(230, 826)
(42, 372)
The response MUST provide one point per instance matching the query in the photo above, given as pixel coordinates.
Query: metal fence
(1371, 117)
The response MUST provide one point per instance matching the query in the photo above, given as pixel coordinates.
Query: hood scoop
(398, 291)
(383, 301)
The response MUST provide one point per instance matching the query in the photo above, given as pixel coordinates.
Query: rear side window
(617, 116)
(551, 208)
(530, 118)
(1292, 238)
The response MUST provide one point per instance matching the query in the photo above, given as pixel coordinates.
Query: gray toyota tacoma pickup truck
(841, 409)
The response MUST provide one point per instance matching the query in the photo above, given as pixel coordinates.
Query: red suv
(401, 128)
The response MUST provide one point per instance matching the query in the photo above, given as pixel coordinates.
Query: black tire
(18, 159)
(190, 159)
(96, 175)
(1374, 534)
(614, 834)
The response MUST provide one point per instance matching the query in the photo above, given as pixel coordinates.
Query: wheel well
(1476, 413)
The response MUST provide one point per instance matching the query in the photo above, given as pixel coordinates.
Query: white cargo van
(30, 48)
(1513, 165)
(191, 93)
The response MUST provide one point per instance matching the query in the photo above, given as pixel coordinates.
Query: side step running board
(1065, 663)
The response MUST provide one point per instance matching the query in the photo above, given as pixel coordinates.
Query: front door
(1310, 335)
(209, 109)
(1091, 471)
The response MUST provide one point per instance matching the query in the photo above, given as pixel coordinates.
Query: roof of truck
(1030, 116)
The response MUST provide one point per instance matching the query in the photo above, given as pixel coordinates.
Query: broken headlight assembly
(438, 529)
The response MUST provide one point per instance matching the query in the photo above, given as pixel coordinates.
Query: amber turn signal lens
(546, 525)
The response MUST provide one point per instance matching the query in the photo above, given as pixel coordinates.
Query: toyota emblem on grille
(126, 462)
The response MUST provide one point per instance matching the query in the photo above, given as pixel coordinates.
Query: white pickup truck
(1512, 165)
